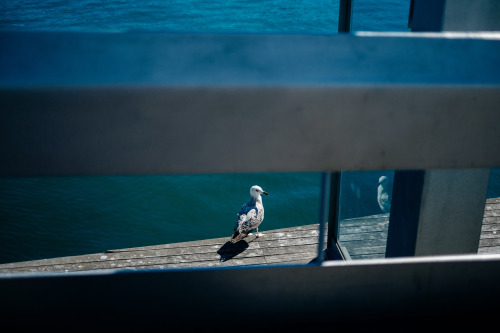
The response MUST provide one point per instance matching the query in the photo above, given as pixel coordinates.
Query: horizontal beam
(149, 59)
(210, 130)
(440, 290)
(155, 103)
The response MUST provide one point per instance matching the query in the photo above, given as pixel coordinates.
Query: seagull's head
(383, 180)
(256, 191)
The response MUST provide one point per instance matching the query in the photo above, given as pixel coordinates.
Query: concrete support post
(451, 212)
(436, 212)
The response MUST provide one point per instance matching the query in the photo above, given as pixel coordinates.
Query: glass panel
(365, 203)
(365, 196)
(365, 212)
(380, 15)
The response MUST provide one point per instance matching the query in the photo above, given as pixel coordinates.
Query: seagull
(384, 194)
(250, 215)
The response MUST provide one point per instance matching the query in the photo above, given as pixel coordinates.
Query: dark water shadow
(229, 250)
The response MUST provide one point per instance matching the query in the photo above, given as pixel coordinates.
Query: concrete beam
(156, 103)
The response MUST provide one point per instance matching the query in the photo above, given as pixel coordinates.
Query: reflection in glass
(365, 203)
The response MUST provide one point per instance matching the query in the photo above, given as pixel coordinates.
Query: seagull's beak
(265, 193)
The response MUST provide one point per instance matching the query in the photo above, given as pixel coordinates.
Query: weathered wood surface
(281, 246)
(489, 242)
(363, 237)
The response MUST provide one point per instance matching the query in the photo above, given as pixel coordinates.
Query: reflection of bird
(250, 215)
(384, 194)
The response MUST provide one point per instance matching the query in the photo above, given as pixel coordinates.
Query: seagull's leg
(258, 234)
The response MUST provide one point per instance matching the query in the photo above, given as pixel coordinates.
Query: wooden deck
(363, 237)
(490, 232)
(283, 246)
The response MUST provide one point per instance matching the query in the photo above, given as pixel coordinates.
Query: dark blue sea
(47, 217)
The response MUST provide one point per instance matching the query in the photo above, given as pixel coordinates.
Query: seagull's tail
(237, 237)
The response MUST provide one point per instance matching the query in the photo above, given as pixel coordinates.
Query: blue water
(306, 16)
(172, 15)
(53, 216)
(47, 217)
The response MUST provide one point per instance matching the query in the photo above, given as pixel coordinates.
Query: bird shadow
(229, 250)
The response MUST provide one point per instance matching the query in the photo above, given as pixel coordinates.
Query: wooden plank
(369, 256)
(363, 236)
(143, 253)
(490, 219)
(306, 256)
(201, 264)
(490, 234)
(490, 227)
(289, 232)
(492, 213)
(367, 250)
(489, 250)
(492, 206)
(365, 243)
(142, 264)
(272, 251)
(363, 229)
(187, 260)
(363, 219)
(209, 242)
(289, 242)
(488, 242)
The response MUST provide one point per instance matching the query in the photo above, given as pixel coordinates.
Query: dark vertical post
(323, 211)
(345, 12)
(410, 16)
(334, 209)
(405, 213)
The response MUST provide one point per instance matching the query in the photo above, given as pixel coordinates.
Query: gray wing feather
(249, 218)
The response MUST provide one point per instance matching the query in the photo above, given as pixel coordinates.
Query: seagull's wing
(246, 221)
(244, 224)
(243, 212)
